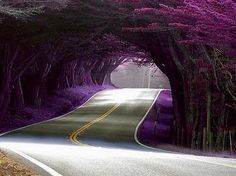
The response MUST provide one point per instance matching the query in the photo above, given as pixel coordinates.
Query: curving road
(99, 139)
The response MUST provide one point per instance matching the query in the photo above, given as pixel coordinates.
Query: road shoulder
(15, 164)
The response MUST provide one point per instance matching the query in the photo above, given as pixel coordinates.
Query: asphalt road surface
(99, 139)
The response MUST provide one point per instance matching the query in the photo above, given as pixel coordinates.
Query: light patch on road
(84, 150)
(123, 95)
(46, 150)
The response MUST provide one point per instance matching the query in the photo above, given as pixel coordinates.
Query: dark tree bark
(39, 89)
(67, 75)
(18, 95)
(96, 71)
(162, 55)
(9, 55)
(87, 74)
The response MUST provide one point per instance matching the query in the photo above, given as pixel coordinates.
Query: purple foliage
(156, 127)
(210, 22)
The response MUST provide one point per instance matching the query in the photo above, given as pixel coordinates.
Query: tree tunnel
(92, 43)
(157, 127)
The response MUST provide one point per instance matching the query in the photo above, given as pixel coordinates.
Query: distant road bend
(99, 139)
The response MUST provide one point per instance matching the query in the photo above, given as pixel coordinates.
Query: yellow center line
(75, 135)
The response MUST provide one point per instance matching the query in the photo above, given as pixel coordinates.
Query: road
(99, 139)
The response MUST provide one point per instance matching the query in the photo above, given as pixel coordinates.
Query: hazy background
(130, 75)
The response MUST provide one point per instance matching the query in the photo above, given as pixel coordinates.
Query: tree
(200, 23)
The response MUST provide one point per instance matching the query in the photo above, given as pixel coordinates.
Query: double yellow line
(75, 135)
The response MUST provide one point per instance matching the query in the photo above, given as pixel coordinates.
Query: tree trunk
(102, 75)
(208, 126)
(189, 113)
(6, 68)
(195, 130)
(108, 78)
(67, 75)
(219, 137)
(95, 73)
(178, 106)
(36, 95)
(5, 96)
(18, 95)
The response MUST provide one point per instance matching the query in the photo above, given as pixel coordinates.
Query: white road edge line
(166, 151)
(137, 127)
(215, 163)
(37, 163)
(54, 118)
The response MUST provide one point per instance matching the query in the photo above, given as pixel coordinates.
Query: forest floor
(155, 129)
(9, 167)
(55, 104)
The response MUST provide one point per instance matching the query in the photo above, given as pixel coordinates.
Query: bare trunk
(6, 68)
(95, 73)
(5, 97)
(18, 95)
(219, 137)
(67, 76)
(208, 126)
(108, 79)
(36, 98)
(102, 75)
(178, 106)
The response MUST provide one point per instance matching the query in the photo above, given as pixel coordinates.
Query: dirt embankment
(9, 167)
